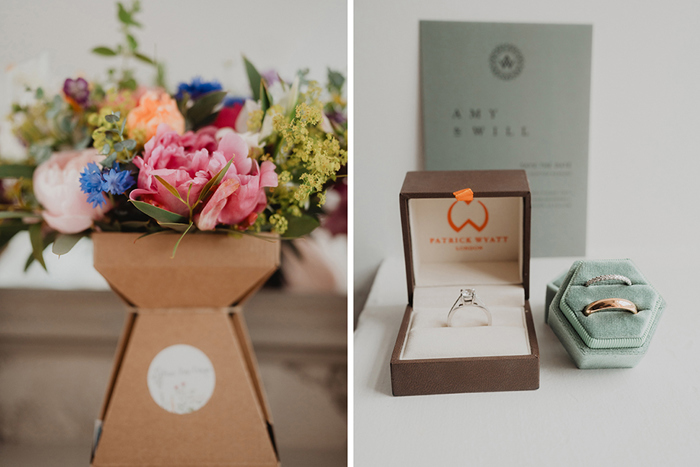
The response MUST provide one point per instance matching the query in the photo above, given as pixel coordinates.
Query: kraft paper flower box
(611, 337)
(185, 388)
(453, 243)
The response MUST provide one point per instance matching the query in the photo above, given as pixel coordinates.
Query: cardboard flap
(208, 270)
(230, 428)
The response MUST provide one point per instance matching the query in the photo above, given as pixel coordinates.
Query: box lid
(446, 239)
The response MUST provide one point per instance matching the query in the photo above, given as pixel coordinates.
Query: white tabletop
(648, 415)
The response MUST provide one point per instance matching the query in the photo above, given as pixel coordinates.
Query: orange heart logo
(478, 228)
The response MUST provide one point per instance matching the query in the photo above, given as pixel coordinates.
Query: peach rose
(154, 108)
(57, 188)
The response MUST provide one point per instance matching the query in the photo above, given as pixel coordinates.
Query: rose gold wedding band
(610, 304)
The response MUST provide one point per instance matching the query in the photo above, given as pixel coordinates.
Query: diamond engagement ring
(610, 304)
(609, 277)
(468, 297)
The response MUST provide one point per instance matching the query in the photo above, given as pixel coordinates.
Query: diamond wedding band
(467, 298)
(609, 277)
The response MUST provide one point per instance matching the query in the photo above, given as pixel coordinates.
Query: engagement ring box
(611, 338)
(450, 244)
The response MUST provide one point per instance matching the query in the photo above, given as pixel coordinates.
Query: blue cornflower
(91, 179)
(96, 198)
(197, 88)
(117, 182)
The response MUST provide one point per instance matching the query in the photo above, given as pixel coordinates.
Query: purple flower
(91, 179)
(78, 90)
(337, 117)
(197, 88)
(270, 76)
(117, 182)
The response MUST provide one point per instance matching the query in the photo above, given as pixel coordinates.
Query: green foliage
(160, 215)
(109, 136)
(336, 81)
(198, 115)
(129, 49)
(64, 243)
(254, 78)
(17, 171)
(38, 245)
(300, 226)
(106, 51)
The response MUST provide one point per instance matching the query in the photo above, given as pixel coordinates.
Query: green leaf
(121, 130)
(174, 226)
(17, 214)
(128, 83)
(9, 229)
(180, 239)
(129, 144)
(214, 181)
(107, 162)
(336, 80)
(171, 189)
(56, 106)
(125, 16)
(37, 244)
(17, 171)
(144, 58)
(148, 234)
(160, 215)
(254, 78)
(106, 51)
(133, 45)
(65, 243)
(39, 93)
(160, 75)
(204, 106)
(106, 150)
(112, 118)
(265, 98)
(84, 142)
(29, 262)
(119, 146)
(300, 226)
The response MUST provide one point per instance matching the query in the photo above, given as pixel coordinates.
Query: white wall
(645, 124)
(202, 37)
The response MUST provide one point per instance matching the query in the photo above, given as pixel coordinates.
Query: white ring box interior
(492, 266)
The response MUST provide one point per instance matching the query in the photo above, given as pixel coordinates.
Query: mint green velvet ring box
(609, 338)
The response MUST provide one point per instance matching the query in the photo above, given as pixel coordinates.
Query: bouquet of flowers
(115, 155)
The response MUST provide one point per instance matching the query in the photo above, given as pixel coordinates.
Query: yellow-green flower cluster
(105, 131)
(279, 223)
(315, 155)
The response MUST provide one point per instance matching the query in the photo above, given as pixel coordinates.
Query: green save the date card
(514, 96)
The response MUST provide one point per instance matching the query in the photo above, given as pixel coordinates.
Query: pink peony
(189, 161)
(57, 187)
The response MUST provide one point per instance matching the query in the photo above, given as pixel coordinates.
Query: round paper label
(181, 379)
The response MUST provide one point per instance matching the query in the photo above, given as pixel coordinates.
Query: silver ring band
(468, 297)
(609, 277)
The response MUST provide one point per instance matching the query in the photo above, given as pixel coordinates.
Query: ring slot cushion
(606, 338)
